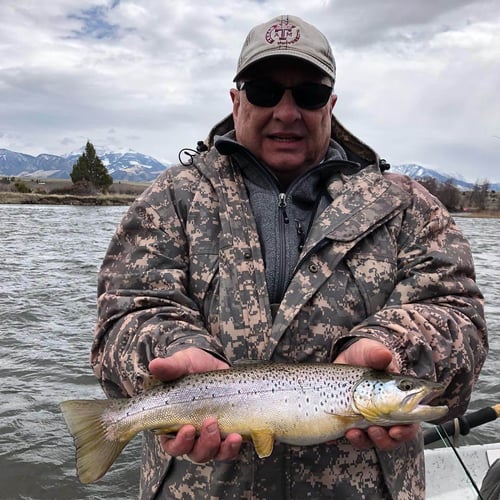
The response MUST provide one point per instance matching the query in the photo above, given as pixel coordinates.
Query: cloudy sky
(417, 80)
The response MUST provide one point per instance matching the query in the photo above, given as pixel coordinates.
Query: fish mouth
(413, 407)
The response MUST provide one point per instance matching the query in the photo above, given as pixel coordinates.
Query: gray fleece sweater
(284, 215)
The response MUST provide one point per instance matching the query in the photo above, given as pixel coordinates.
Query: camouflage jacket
(384, 260)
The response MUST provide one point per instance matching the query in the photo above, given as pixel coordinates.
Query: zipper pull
(282, 206)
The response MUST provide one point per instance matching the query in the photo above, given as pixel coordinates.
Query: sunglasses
(268, 94)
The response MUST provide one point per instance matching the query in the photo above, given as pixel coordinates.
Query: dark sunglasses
(267, 94)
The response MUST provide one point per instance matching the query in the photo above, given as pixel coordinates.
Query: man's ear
(234, 93)
(333, 101)
(235, 97)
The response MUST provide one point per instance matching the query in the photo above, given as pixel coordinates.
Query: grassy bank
(479, 214)
(59, 192)
(11, 198)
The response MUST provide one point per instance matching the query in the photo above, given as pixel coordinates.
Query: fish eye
(406, 385)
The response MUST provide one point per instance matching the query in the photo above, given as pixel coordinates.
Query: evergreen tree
(89, 168)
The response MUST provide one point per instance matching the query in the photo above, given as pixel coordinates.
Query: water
(49, 257)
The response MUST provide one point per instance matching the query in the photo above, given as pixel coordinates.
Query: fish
(294, 403)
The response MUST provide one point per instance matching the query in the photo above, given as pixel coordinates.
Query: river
(49, 257)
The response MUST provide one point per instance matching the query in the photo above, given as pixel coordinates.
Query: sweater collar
(335, 162)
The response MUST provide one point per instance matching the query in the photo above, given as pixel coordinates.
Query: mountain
(20, 164)
(137, 167)
(418, 172)
(122, 166)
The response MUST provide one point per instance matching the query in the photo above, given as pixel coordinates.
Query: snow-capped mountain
(122, 166)
(20, 164)
(418, 172)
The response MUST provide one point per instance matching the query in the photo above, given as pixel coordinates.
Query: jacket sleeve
(144, 306)
(433, 321)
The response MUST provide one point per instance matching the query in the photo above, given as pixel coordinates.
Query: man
(286, 241)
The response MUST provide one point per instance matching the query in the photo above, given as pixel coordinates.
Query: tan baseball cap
(287, 36)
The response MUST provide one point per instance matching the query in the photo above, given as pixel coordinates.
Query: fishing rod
(462, 425)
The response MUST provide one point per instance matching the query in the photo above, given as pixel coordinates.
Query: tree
(21, 186)
(445, 192)
(450, 196)
(90, 169)
(479, 195)
(431, 184)
(485, 191)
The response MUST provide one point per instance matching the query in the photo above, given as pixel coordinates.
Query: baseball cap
(287, 36)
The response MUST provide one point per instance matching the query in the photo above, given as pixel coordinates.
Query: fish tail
(96, 450)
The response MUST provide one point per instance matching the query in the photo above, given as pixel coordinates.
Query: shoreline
(480, 214)
(116, 199)
(11, 198)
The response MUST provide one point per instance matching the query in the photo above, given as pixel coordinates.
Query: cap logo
(284, 33)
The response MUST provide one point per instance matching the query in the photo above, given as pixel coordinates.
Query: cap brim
(279, 53)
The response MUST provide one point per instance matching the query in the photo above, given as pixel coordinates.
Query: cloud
(417, 80)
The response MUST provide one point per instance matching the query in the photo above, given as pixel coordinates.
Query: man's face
(287, 138)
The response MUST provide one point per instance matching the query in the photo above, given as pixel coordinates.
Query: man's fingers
(378, 357)
(359, 439)
(208, 446)
(374, 436)
(183, 442)
(404, 432)
(367, 352)
(382, 437)
(167, 368)
(230, 447)
(190, 360)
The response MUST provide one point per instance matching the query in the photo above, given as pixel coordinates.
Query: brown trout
(298, 404)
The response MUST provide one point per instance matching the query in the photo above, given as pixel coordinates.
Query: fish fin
(95, 449)
(344, 414)
(263, 441)
(345, 418)
(166, 431)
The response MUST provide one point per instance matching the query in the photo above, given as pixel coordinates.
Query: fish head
(387, 399)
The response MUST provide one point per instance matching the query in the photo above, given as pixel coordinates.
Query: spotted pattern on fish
(298, 404)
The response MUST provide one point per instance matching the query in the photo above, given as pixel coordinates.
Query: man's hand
(366, 352)
(209, 445)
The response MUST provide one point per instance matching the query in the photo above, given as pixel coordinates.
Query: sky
(419, 81)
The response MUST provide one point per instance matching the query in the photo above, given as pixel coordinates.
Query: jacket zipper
(282, 206)
(282, 203)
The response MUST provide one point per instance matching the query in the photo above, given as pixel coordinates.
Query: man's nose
(287, 109)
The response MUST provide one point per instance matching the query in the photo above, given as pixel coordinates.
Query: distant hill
(138, 167)
(122, 166)
(418, 172)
